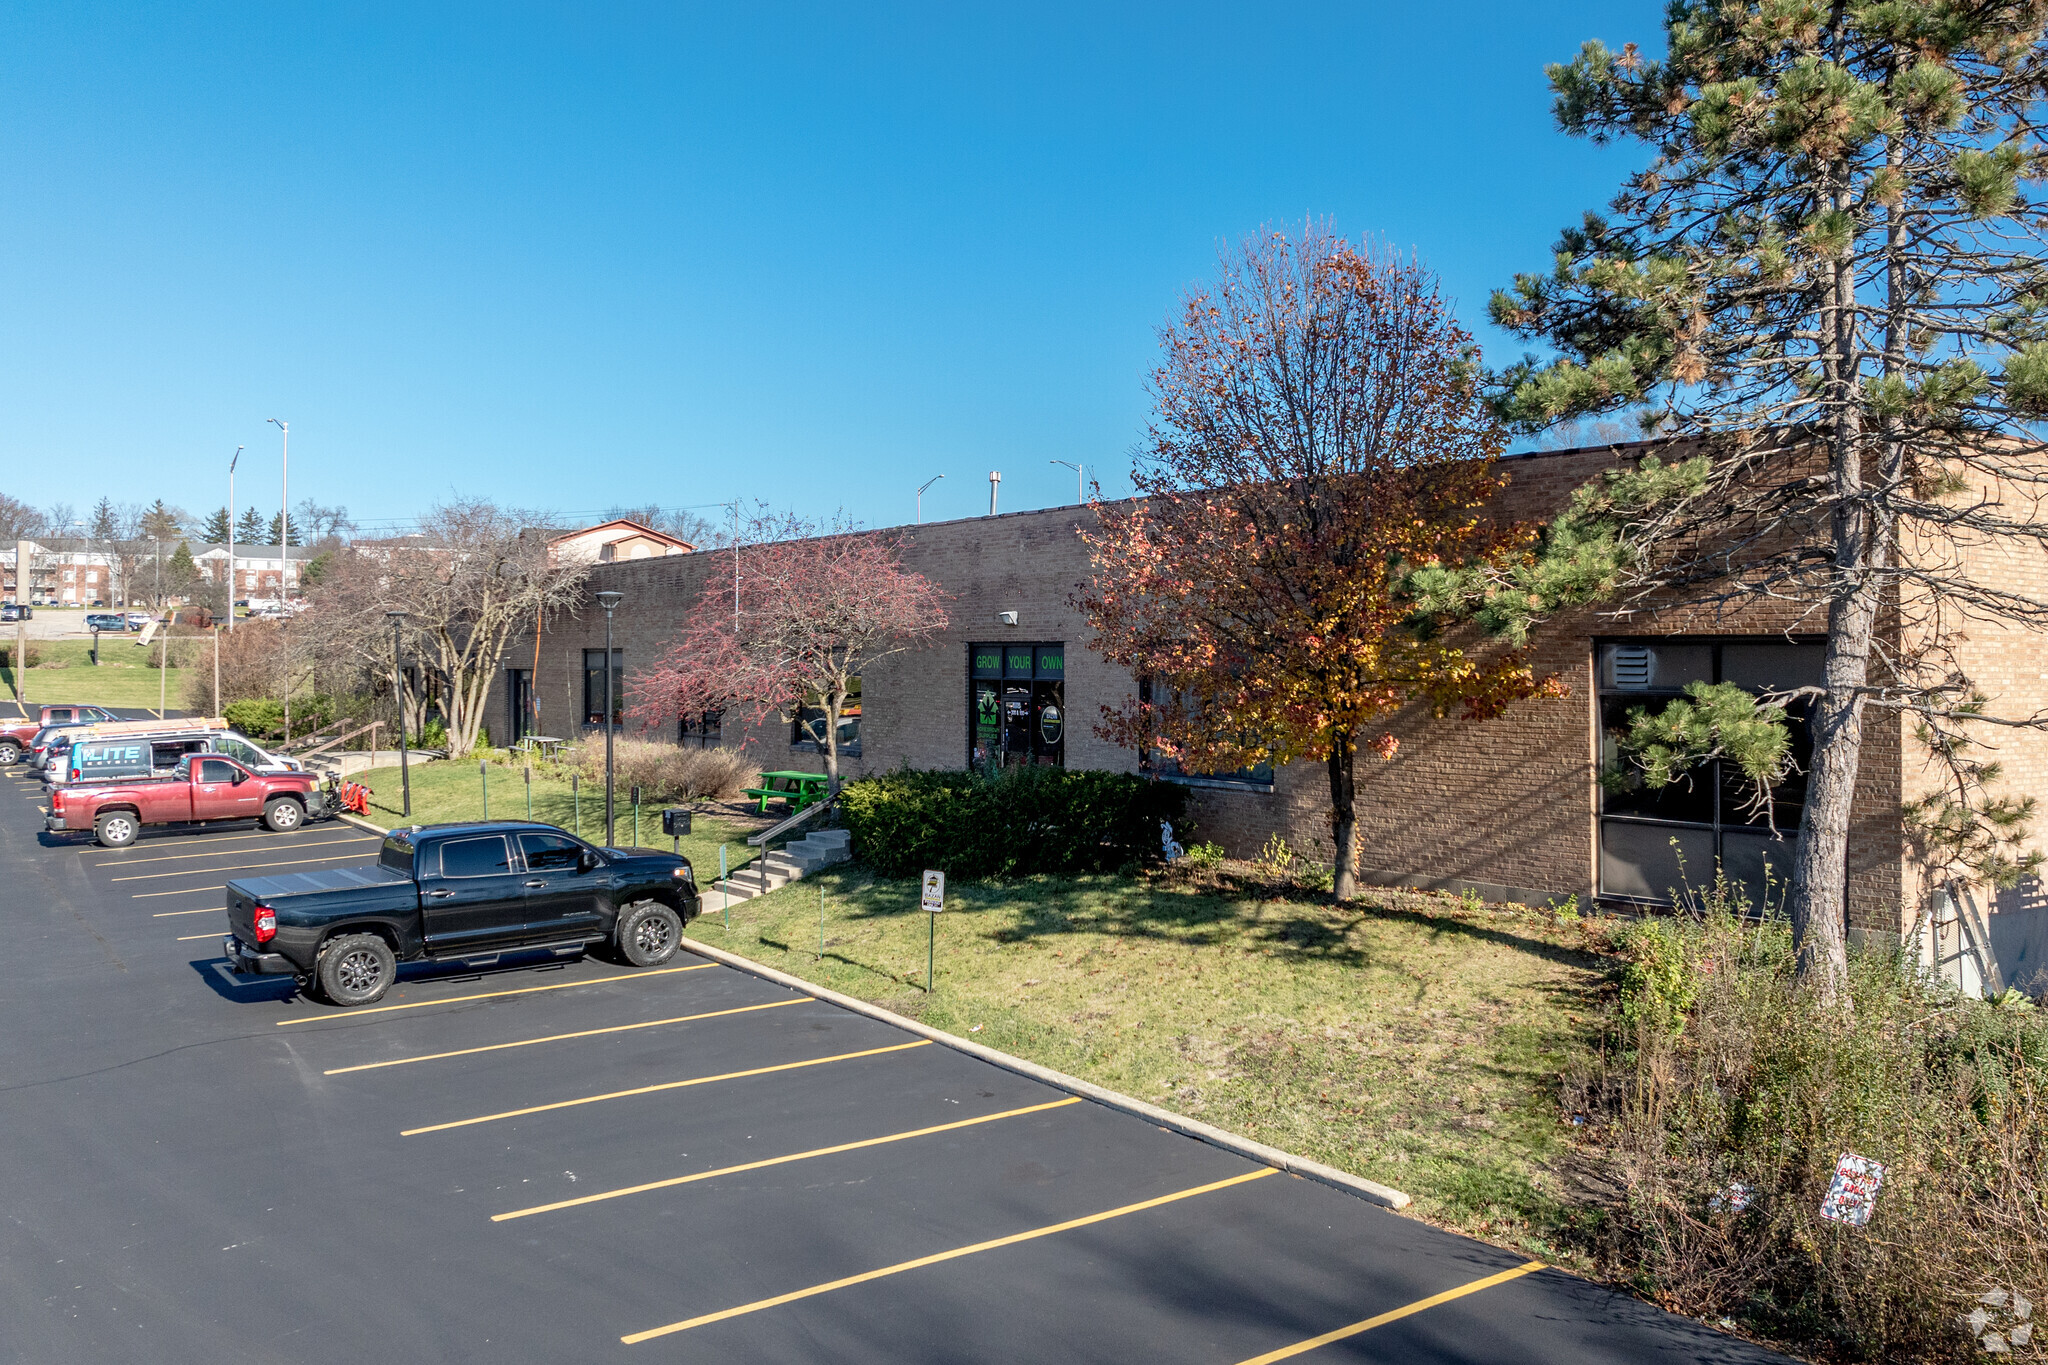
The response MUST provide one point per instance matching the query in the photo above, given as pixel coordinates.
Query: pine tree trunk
(1343, 764)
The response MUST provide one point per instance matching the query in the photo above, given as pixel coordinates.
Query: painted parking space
(554, 1160)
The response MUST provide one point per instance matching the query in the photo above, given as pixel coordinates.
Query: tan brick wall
(1507, 805)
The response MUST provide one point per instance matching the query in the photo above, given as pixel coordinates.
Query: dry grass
(667, 772)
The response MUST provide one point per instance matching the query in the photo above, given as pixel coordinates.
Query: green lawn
(454, 790)
(67, 675)
(1411, 1038)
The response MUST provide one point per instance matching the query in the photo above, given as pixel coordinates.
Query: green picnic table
(798, 789)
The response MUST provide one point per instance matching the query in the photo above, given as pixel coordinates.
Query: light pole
(231, 547)
(398, 695)
(1080, 484)
(610, 602)
(920, 495)
(284, 570)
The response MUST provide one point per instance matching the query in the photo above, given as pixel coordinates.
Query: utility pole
(231, 550)
(610, 602)
(398, 695)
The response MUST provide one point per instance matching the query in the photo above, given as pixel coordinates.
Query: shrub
(1021, 821)
(34, 653)
(1204, 855)
(432, 735)
(259, 718)
(668, 772)
(1720, 1071)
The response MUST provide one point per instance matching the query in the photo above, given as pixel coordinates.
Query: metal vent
(1634, 666)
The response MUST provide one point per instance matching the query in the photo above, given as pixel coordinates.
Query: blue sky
(578, 255)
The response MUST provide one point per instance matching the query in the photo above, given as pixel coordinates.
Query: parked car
(16, 611)
(105, 620)
(202, 789)
(17, 737)
(137, 748)
(138, 619)
(458, 893)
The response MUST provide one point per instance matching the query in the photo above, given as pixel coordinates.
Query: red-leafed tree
(815, 607)
(1317, 437)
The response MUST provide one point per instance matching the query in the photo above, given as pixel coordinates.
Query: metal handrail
(338, 739)
(791, 822)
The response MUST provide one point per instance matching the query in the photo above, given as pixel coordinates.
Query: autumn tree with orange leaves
(1317, 437)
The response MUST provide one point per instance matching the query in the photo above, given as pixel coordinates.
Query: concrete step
(787, 864)
(834, 838)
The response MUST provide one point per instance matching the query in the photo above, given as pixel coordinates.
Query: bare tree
(467, 584)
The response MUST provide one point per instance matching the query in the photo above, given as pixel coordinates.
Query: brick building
(1510, 807)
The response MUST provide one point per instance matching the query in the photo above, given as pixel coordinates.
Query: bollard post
(821, 921)
(636, 817)
(724, 886)
(483, 772)
(576, 796)
(529, 788)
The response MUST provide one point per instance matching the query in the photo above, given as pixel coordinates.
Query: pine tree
(292, 530)
(160, 522)
(250, 528)
(106, 522)
(1832, 273)
(181, 572)
(215, 532)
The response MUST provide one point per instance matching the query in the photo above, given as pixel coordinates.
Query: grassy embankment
(66, 675)
(1411, 1038)
(454, 790)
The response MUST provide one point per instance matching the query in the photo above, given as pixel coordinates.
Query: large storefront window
(1258, 777)
(593, 686)
(1016, 705)
(1652, 841)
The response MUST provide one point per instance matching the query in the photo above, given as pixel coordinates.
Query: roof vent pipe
(995, 479)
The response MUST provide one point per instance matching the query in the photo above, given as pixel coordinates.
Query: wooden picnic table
(798, 789)
(549, 746)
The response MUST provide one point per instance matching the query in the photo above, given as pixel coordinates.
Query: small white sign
(934, 899)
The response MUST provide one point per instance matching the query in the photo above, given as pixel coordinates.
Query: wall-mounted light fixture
(1008, 618)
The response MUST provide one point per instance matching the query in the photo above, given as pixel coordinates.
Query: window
(1652, 841)
(1016, 705)
(216, 770)
(485, 856)
(807, 727)
(1259, 776)
(551, 853)
(702, 731)
(236, 748)
(593, 686)
(71, 575)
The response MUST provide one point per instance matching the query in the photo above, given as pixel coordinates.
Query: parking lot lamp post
(398, 695)
(920, 495)
(1080, 482)
(231, 551)
(610, 602)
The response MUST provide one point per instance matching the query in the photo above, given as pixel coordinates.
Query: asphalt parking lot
(575, 1161)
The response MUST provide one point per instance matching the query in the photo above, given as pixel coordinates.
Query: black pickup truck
(458, 893)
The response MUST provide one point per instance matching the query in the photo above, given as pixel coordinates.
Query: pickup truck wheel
(649, 933)
(10, 752)
(284, 814)
(356, 969)
(116, 829)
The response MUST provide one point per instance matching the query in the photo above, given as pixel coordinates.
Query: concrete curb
(360, 823)
(1369, 1190)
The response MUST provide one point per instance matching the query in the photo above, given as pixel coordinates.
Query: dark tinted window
(483, 856)
(397, 852)
(216, 770)
(550, 852)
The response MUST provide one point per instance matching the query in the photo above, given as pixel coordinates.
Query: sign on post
(933, 901)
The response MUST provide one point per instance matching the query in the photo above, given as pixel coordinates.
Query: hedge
(1021, 821)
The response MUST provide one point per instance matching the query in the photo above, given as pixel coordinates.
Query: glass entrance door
(1016, 705)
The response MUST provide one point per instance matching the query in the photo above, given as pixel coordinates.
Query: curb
(1369, 1190)
(359, 822)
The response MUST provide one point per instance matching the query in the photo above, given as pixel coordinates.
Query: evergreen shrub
(1021, 821)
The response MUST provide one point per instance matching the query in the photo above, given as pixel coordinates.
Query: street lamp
(610, 602)
(1080, 485)
(397, 695)
(231, 541)
(284, 570)
(920, 495)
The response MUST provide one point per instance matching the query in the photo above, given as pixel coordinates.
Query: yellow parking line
(187, 891)
(492, 995)
(666, 1085)
(562, 1037)
(189, 937)
(957, 1252)
(169, 914)
(187, 840)
(220, 853)
(236, 867)
(782, 1160)
(1395, 1315)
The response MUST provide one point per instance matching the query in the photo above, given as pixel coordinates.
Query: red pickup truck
(16, 734)
(201, 789)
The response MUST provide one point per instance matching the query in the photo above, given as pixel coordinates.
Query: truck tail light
(266, 925)
(57, 800)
